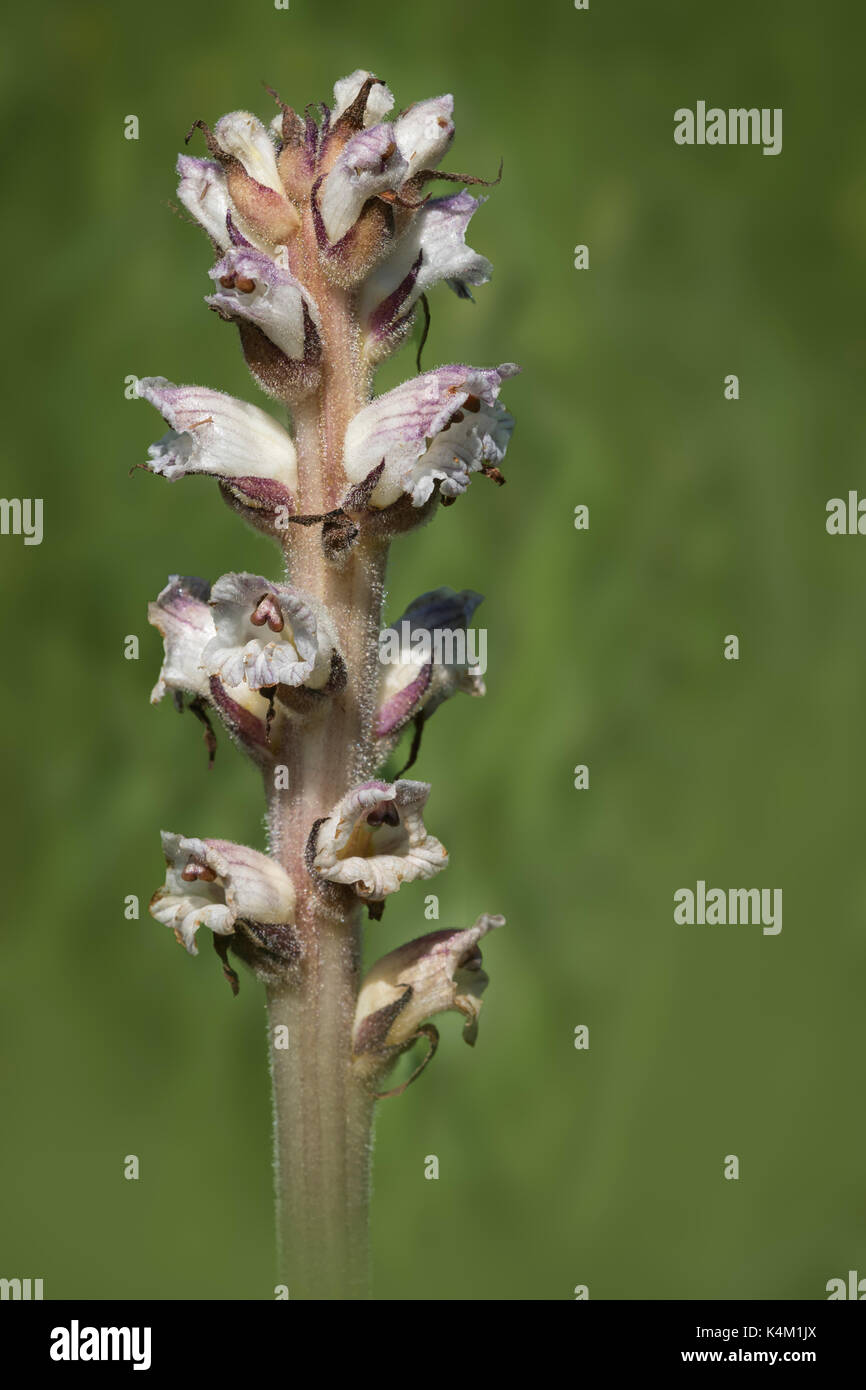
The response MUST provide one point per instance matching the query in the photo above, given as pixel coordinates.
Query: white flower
(432, 248)
(440, 427)
(245, 138)
(370, 163)
(424, 132)
(268, 634)
(217, 884)
(375, 839)
(379, 102)
(406, 988)
(214, 433)
(203, 192)
(183, 618)
(252, 287)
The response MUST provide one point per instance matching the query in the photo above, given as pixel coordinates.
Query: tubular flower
(219, 885)
(216, 434)
(440, 427)
(375, 839)
(432, 249)
(184, 618)
(406, 988)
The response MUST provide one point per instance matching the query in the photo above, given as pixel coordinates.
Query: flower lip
(375, 839)
(268, 635)
(218, 884)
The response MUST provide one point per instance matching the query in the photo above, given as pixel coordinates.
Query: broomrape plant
(326, 243)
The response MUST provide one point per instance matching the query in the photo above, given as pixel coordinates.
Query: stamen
(267, 610)
(196, 870)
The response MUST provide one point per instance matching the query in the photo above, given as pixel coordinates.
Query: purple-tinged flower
(380, 99)
(214, 433)
(203, 191)
(369, 164)
(409, 986)
(431, 249)
(427, 659)
(268, 635)
(184, 618)
(375, 839)
(440, 427)
(219, 885)
(253, 288)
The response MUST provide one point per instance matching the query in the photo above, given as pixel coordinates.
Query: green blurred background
(557, 1167)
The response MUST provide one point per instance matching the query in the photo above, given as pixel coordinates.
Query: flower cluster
(326, 243)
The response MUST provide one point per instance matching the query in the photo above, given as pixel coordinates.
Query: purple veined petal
(214, 433)
(375, 839)
(424, 132)
(214, 883)
(425, 977)
(432, 249)
(267, 634)
(370, 163)
(379, 102)
(440, 427)
(251, 286)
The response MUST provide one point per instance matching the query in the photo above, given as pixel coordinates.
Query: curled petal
(440, 427)
(409, 986)
(427, 658)
(433, 248)
(217, 884)
(375, 839)
(245, 138)
(370, 163)
(252, 287)
(424, 132)
(267, 634)
(214, 433)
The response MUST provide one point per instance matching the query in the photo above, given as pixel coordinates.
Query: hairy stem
(322, 1113)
